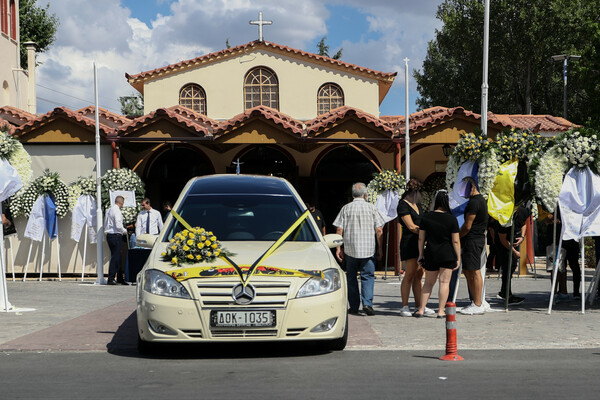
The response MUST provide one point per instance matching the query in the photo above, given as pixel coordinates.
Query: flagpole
(99, 222)
(406, 121)
(484, 84)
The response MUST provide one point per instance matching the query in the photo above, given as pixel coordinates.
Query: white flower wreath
(123, 179)
(549, 176)
(12, 150)
(49, 183)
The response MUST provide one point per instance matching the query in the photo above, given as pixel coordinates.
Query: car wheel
(340, 344)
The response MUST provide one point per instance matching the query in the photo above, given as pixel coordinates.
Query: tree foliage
(323, 49)
(524, 34)
(37, 25)
(132, 106)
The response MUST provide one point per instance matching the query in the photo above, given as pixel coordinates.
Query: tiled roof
(135, 80)
(195, 116)
(424, 118)
(62, 112)
(283, 120)
(18, 116)
(89, 112)
(323, 121)
(5, 126)
(200, 128)
(537, 123)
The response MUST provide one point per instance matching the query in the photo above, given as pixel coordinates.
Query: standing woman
(439, 230)
(409, 218)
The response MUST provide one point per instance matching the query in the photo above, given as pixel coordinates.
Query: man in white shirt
(149, 220)
(113, 226)
(361, 226)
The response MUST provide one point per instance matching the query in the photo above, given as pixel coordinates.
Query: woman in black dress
(439, 230)
(409, 218)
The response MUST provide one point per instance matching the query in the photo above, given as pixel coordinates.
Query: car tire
(339, 344)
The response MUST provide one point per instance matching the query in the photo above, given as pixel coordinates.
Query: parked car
(297, 293)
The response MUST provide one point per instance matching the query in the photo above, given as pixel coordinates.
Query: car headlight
(315, 286)
(161, 284)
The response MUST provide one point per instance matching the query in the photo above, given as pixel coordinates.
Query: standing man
(149, 220)
(503, 247)
(317, 216)
(472, 234)
(361, 226)
(113, 226)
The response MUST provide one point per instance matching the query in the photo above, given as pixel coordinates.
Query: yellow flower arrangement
(193, 246)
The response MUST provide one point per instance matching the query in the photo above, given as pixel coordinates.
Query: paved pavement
(71, 316)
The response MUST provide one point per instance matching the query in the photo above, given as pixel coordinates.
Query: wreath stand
(43, 256)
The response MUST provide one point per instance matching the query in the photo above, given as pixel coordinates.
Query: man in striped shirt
(361, 226)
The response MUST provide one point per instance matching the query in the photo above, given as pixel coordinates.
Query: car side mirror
(333, 240)
(146, 240)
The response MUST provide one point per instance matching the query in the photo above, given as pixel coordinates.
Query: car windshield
(243, 217)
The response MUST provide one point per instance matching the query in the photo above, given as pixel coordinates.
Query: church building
(256, 108)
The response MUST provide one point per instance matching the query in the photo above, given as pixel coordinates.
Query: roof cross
(260, 24)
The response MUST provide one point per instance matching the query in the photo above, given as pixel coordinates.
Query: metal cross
(260, 24)
(237, 166)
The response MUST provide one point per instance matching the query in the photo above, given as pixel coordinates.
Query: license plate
(242, 318)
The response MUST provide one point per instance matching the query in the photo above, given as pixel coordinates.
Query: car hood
(290, 255)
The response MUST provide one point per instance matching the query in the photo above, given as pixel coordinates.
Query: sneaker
(486, 306)
(472, 309)
(513, 300)
(368, 310)
(500, 296)
(405, 311)
(428, 311)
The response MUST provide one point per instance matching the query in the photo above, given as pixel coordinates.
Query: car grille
(193, 333)
(295, 331)
(244, 333)
(268, 294)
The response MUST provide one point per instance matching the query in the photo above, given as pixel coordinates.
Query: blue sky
(130, 36)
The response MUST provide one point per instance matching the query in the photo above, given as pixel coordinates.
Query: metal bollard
(451, 347)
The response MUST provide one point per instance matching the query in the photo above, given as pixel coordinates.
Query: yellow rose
(214, 245)
(198, 257)
(209, 233)
(207, 243)
(213, 238)
(201, 230)
(217, 252)
(190, 242)
(185, 248)
(163, 254)
(178, 235)
(174, 260)
(173, 247)
(191, 236)
(200, 245)
(190, 256)
(172, 240)
(203, 238)
(185, 232)
(208, 254)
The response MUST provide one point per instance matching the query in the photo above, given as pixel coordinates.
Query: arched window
(330, 96)
(4, 16)
(261, 88)
(193, 97)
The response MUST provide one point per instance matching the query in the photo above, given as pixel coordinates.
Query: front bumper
(189, 320)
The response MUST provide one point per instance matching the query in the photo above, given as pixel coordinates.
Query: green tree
(37, 25)
(132, 106)
(323, 49)
(524, 34)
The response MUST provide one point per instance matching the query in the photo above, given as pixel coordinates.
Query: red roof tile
(89, 112)
(18, 116)
(137, 79)
(199, 128)
(7, 127)
(62, 112)
(283, 120)
(537, 123)
(323, 121)
(195, 116)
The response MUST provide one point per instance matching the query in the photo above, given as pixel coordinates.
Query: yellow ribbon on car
(182, 273)
(220, 271)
